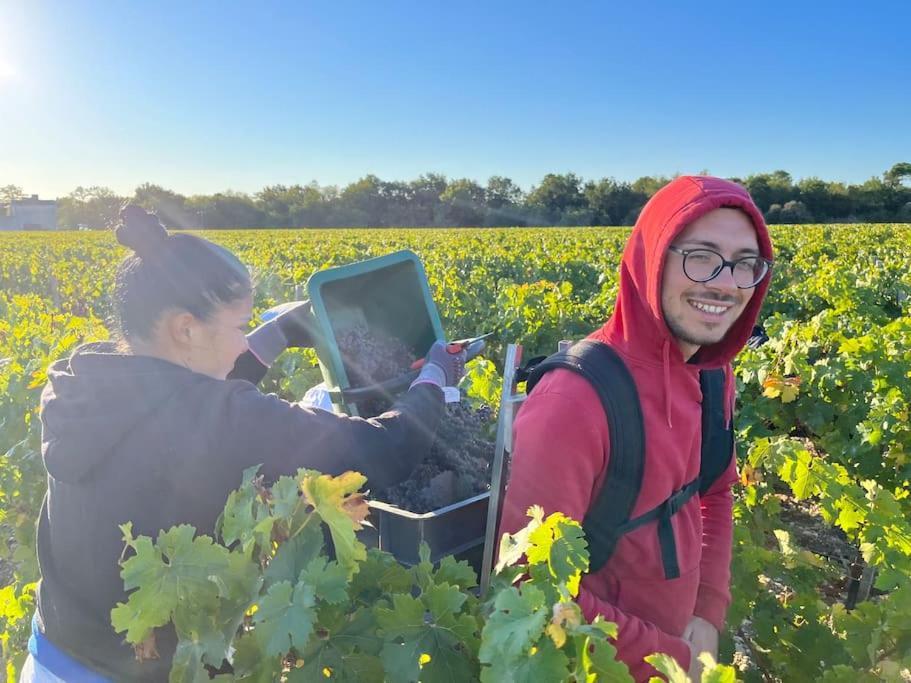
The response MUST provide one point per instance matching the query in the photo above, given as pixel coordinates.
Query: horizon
(208, 98)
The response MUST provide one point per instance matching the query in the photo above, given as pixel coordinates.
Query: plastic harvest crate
(389, 294)
(456, 529)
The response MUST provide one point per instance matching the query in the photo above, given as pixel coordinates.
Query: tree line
(434, 200)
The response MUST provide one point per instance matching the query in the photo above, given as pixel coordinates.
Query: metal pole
(509, 403)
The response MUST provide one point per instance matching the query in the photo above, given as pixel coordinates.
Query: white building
(29, 213)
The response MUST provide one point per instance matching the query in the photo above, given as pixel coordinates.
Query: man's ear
(181, 328)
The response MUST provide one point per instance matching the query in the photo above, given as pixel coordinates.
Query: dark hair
(166, 272)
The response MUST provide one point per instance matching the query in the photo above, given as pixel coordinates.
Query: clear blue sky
(207, 96)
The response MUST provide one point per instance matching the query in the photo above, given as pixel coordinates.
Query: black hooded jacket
(135, 438)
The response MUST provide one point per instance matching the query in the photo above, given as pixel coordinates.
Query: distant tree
(425, 198)
(649, 185)
(431, 199)
(556, 195)
(873, 200)
(170, 207)
(773, 215)
(462, 203)
(364, 197)
(795, 212)
(10, 193)
(612, 202)
(502, 192)
(770, 188)
(227, 210)
(900, 172)
(94, 207)
(275, 202)
(308, 205)
(816, 197)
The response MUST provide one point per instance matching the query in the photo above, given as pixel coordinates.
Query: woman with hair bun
(157, 427)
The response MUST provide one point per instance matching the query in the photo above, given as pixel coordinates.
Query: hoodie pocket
(666, 603)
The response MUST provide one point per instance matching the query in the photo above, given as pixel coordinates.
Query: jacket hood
(638, 322)
(94, 398)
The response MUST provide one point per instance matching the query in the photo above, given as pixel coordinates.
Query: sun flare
(7, 72)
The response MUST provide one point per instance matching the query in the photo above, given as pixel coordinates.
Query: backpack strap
(608, 375)
(608, 517)
(717, 437)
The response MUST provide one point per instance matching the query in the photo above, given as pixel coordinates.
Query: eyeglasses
(703, 265)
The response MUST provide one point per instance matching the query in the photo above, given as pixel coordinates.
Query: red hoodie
(561, 444)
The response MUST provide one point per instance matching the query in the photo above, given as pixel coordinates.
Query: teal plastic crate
(390, 295)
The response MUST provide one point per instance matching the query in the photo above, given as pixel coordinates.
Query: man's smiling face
(701, 313)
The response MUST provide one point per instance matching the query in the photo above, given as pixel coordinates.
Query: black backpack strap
(608, 375)
(717, 437)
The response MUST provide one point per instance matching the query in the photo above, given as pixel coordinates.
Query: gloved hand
(442, 366)
(292, 327)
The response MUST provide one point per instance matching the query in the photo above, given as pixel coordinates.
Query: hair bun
(140, 230)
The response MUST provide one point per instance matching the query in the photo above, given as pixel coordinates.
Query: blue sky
(207, 96)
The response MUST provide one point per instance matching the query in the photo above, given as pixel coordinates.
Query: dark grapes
(457, 467)
(458, 464)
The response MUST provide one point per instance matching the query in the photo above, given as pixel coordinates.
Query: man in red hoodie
(687, 302)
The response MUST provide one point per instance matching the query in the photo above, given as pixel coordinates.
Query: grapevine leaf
(347, 645)
(329, 580)
(416, 648)
(285, 618)
(456, 573)
(544, 663)
(559, 542)
(516, 624)
(250, 663)
(285, 498)
(187, 666)
(330, 496)
(245, 519)
(599, 657)
(213, 627)
(668, 666)
(716, 673)
(177, 569)
(294, 555)
(379, 573)
(514, 546)
(443, 600)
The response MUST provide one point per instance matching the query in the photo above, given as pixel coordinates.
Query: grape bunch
(371, 358)
(458, 464)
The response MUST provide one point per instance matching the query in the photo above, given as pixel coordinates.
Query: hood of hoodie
(95, 398)
(637, 324)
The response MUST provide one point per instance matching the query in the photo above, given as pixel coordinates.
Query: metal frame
(510, 400)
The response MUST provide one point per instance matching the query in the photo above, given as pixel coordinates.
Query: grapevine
(822, 418)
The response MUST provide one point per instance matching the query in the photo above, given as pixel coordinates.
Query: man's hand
(695, 671)
(702, 637)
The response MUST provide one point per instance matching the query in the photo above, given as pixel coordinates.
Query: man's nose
(724, 279)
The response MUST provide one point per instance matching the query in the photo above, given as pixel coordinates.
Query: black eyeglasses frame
(724, 263)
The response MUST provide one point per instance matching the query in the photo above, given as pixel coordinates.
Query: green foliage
(823, 425)
(360, 616)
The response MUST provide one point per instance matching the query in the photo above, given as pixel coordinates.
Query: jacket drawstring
(666, 364)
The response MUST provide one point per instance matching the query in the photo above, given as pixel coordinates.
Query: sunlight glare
(7, 72)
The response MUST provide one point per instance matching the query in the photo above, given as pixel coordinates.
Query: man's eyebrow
(711, 245)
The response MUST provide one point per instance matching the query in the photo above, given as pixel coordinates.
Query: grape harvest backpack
(609, 516)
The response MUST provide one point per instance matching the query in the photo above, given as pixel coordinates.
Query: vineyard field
(822, 541)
